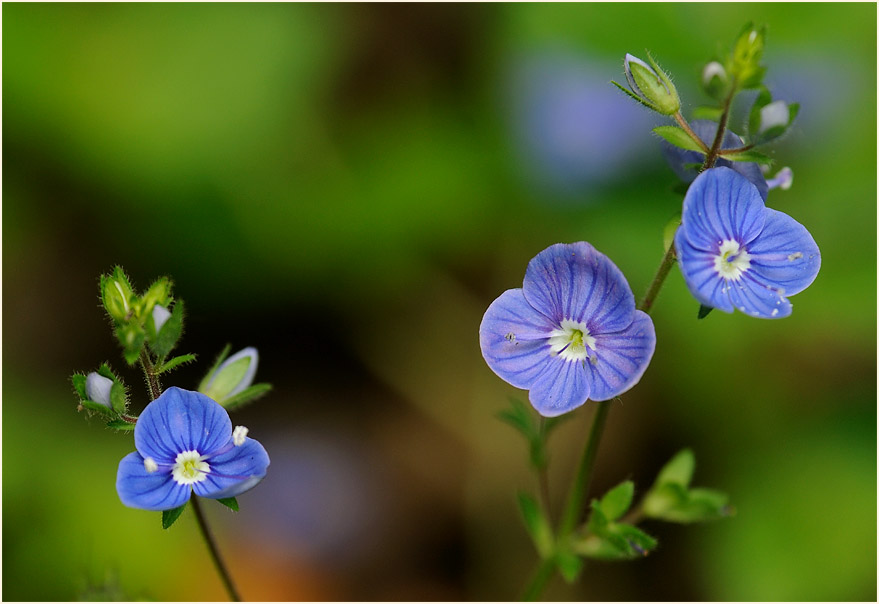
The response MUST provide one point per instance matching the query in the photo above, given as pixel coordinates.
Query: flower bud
(715, 80)
(160, 315)
(652, 85)
(746, 55)
(97, 388)
(117, 295)
(234, 375)
(776, 113)
(158, 293)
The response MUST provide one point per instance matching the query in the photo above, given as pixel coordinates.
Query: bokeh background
(347, 188)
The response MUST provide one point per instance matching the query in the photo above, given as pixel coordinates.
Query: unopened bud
(160, 315)
(97, 388)
(652, 85)
(116, 294)
(776, 113)
(234, 375)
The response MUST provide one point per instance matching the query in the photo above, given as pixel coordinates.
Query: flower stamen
(731, 260)
(190, 467)
(572, 341)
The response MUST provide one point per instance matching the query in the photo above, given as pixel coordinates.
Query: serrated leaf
(229, 502)
(569, 566)
(219, 361)
(678, 137)
(119, 424)
(536, 524)
(617, 501)
(704, 310)
(175, 362)
(246, 396)
(707, 113)
(750, 156)
(171, 331)
(169, 517)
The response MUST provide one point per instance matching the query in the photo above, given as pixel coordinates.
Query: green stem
(543, 475)
(215, 553)
(542, 576)
(712, 155)
(667, 262)
(152, 378)
(686, 126)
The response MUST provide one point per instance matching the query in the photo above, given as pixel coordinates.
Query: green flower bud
(97, 388)
(652, 85)
(158, 293)
(715, 81)
(234, 375)
(117, 295)
(747, 52)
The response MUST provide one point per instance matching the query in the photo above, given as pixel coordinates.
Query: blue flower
(735, 252)
(571, 333)
(685, 164)
(185, 443)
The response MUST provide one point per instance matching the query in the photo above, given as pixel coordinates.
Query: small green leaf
(131, 336)
(175, 362)
(519, 416)
(118, 398)
(246, 396)
(704, 310)
(707, 113)
(639, 542)
(229, 502)
(679, 470)
(569, 565)
(171, 331)
(79, 380)
(600, 548)
(119, 424)
(536, 524)
(220, 358)
(617, 501)
(169, 517)
(98, 408)
(748, 156)
(678, 137)
(597, 520)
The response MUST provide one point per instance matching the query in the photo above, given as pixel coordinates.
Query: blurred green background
(347, 188)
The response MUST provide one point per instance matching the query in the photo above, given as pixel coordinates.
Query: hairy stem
(686, 126)
(711, 157)
(152, 378)
(215, 553)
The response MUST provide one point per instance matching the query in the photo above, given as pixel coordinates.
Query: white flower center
(732, 260)
(190, 467)
(571, 341)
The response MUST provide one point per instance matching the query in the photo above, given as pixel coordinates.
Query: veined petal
(700, 274)
(721, 205)
(577, 282)
(785, 255)
(756, 298)
(237, 470)
(621, 358)
(514, 339)
(154, 491)
(178, 421)
(563, 386)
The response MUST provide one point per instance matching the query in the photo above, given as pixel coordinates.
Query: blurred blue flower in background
(685, 164)
(571, 128)
(185, 443)
(571, 333)
(735, 252)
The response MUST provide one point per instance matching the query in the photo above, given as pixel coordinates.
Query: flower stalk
(215, 552)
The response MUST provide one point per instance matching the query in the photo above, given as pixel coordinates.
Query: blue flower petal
(785, 255)
(563, 386)
(756, 298)
(178, 421)
(577, 282)
(721, 205)
(154, 491)
(700, 274)
(622, 358)
(235, 471)
(515, 339)
(679, 159)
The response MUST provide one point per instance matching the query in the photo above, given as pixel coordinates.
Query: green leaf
(678, 137)
(640, 543)
(131, 336)
(748, 156)
(79, 380)
(246, 396)
(219, 361)
(119, 424)
(600, 548)
(98, 408)
(536, 524)
(633, 95)
(707, 113)
(118, 398)
(617, 501)
(171, 331)
(704, 310)
(169, 517)
(175, 362)
(229, 502)
(679, 470)
(520, 417)
(668, 232)
(569, 566)
(597, 520)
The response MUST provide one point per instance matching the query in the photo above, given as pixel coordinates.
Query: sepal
(744, 62)
(164, 340)
(672, 500)
(117, 296)
(169, 517)
(651, 85)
